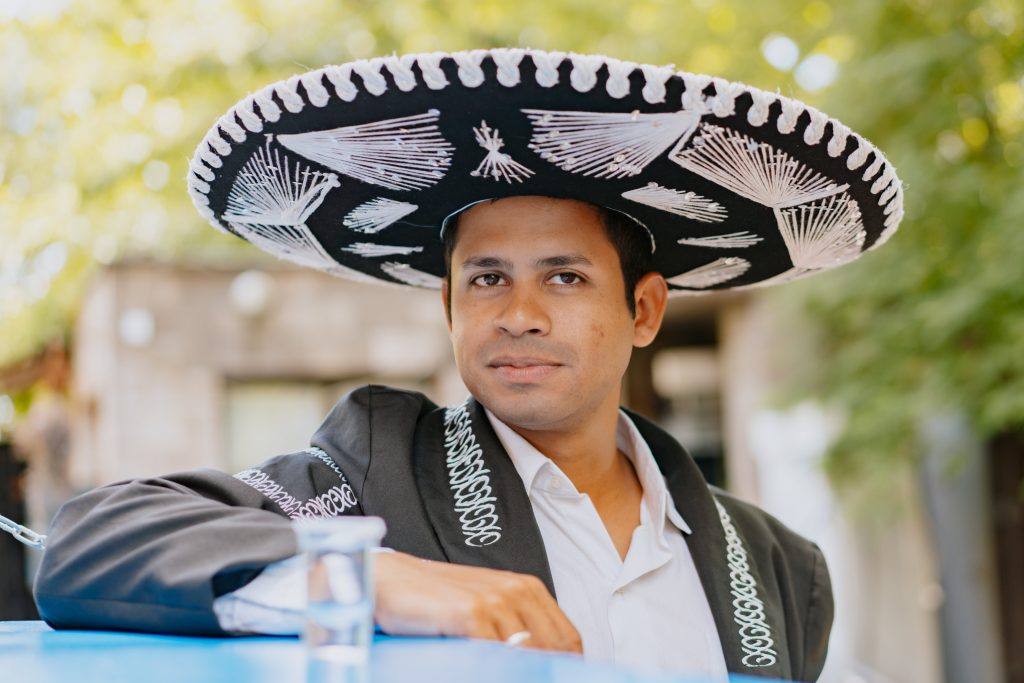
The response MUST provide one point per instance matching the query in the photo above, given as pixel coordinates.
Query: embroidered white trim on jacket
(607, 144)
(469, 480)
(680, 202)
(332, 503)
(497, 164)
(373, 216)
(748, 610)
(322, 456)
(710, 274)
(406, 153)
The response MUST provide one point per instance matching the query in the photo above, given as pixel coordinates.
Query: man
(538, 509)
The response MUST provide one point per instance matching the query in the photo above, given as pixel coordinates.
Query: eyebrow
(547, 262)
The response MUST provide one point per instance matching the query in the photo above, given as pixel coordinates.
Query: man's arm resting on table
(413, 597)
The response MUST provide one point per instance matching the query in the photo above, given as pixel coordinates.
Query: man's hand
(420, 597)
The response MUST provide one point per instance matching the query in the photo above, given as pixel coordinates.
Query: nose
(522, 314)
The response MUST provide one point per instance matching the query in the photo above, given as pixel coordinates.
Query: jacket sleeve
(153, 554)
(818, 624)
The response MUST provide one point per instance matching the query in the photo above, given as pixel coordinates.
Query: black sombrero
(352, 169)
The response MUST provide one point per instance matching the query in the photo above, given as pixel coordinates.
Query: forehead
(531, 223)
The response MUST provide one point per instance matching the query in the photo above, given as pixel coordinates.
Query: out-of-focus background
(878, 409)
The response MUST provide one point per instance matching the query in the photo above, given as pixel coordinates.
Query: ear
(446, 300)
(651, 296)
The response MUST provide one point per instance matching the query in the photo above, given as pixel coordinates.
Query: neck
(585, 450)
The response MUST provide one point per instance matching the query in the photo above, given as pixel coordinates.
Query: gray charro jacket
(153, 554)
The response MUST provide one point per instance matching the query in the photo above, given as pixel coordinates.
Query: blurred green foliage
(102, 103)
(933, 323)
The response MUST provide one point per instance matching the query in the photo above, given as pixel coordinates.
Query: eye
(487, 280)
(565, 278)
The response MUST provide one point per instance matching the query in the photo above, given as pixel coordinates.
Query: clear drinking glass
(339, 569)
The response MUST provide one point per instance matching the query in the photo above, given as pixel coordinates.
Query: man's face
(539, 322)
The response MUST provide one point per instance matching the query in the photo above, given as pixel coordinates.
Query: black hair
(630, 239)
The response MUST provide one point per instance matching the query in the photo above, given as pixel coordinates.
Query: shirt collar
(528, 462)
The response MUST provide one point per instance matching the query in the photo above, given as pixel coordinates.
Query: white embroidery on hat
(497, 164)
(822, 234)
(469, 480)
(617, 85)
(403, 272)
(702, 95)
(781, 278)
(710, 274)
(401, 70)
(371, 250)
(373, 216)
(268, 191)
(341, 77)
(430, 69)
(607, 144)
(679, 202)
(732, 240)
(470, 73)
(583, 76)
(748, 610)
(754, 170)
(296, 243)
(406, 153)
(507, 62)
(546, 64)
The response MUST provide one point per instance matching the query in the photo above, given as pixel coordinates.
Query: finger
(558, 631)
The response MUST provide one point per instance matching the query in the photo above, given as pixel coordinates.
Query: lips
(519, 369)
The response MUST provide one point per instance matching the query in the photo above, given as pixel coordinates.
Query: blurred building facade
(176, 367)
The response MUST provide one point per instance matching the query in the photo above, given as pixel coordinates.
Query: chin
(526, 406)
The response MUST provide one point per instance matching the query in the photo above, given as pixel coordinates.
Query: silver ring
(518, 638)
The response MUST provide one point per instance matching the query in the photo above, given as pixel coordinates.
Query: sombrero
(352, 169)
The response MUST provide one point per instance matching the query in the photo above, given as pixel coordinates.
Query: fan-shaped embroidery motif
(607, 144)
(822, 234)
(371, 250)
(270, 191)
(297, 244)
(403, 272)
(406, 153)
(755, 170)
(497, 164)
(679, 202)
(373, 216)
(732, 240)
(711, 274)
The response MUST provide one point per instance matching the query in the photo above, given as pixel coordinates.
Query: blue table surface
(31, 652)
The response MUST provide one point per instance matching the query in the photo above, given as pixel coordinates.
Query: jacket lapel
(748, 647)
(473, 495)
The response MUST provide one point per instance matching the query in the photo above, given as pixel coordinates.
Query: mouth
(523, 369)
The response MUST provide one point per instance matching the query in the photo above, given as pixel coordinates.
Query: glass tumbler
(339, 599)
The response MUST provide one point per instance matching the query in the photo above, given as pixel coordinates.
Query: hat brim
(352, 169)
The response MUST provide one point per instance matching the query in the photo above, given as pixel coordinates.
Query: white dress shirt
(647, 612)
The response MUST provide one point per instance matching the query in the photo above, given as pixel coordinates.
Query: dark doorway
(15, 598)
(1007, 467)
